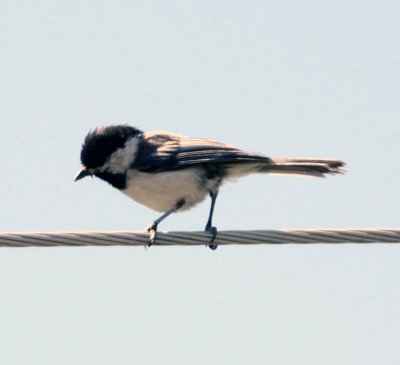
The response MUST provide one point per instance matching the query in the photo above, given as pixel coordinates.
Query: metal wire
(140, 238)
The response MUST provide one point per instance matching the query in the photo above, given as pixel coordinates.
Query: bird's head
(108, 151)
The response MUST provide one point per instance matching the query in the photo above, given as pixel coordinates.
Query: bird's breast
(161, 191)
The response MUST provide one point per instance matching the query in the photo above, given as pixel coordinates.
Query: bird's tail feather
(304, 166)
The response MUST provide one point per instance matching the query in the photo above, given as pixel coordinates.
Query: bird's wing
(163, 151)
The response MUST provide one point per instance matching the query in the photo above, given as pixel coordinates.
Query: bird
(170, 173)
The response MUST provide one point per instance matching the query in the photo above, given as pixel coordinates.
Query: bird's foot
(214, 232)
(152, 229)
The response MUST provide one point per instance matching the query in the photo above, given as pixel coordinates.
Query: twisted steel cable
(141, 238)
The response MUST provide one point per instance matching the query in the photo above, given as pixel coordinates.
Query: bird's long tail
(304, 166)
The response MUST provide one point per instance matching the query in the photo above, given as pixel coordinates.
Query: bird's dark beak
(82, 173)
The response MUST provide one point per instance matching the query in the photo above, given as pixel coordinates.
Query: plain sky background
(287, 78)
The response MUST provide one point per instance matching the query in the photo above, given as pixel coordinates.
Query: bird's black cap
(100, 143)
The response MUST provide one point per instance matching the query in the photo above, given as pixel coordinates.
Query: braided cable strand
(141, 238)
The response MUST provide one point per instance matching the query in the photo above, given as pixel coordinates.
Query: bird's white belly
(162, 190)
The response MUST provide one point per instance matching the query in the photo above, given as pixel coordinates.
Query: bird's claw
(213, 230)
(152, 229)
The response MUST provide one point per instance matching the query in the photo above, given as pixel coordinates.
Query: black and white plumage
(168, 172)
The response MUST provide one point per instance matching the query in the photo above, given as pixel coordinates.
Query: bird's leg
(152, 228)
(209, 226)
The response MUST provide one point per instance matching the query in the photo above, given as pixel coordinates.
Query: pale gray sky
(287, 78)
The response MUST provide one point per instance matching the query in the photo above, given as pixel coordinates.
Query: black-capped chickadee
(168, 172)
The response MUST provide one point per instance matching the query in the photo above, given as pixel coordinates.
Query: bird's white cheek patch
(122, 158)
